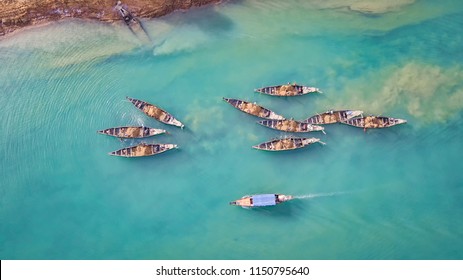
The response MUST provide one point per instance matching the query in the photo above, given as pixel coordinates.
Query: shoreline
(26, 14)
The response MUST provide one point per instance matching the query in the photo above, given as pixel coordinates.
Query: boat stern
(157, 131)
(353, 113)
(277, 117)
(283, 198)
(397, 121)
(310, 90)
(308, 141)
(172, 146)
(317, 128)
(178, 123)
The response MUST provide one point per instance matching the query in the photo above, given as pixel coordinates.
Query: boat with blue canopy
(261, 200)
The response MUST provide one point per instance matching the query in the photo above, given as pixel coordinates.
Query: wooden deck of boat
(287, 90)
(143, 150)
(329, 117)
(253, 109)
(374, 122)
(281, 144)
(131, 131)
(290, 125)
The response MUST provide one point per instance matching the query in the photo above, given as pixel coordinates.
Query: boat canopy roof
(263, 200)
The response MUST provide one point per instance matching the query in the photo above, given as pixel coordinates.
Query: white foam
(310, 196)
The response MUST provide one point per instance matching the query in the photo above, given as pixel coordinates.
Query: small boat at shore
(143, 150)
(331, 116)
(260, 200)
(155, 112)
(373, 122)
(128, 18)
(286, 144)
(253, 109)
(291, 126)
(131, 131)
(287, 90)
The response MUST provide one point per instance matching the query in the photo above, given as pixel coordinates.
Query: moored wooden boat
(374, 122)
(131, 131)
(331, 116)
(143, 150)
(287, 90)
(291, 126)
(260, 200)
(253, 109)
(128, 18)
(155, 112)
(286, 144)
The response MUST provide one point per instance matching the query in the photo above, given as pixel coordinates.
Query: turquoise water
(385, 194)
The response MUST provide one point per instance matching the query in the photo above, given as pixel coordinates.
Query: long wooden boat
(286, 144)
(143, 150)
(155, 112)
(374, 122)
(331, 116)
(291, 126)
(131, 131)
(261, 200)
(253, 109)
(287, 90)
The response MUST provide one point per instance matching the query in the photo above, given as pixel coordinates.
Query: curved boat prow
(318, 128)
(306, 90)
(400, 121)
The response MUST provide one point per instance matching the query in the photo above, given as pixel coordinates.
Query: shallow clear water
(384, 194)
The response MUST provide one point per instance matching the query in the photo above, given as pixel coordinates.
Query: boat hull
(155, 112)
(287, 90)
(253, 109)
(143, 150)
(290, 126)
(374, 122)
(330, 117)
(286, 144)
(131, 131)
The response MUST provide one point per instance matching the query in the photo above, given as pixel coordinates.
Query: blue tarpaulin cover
(263, 200)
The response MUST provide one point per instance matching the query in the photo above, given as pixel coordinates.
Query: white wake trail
(309, 196)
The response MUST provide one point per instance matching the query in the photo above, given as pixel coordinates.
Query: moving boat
(143, 150)
(155, 112)
(131, 131)
(253, 109)
(285, 144)
(374, 122)
(333, 117)
(287, 90)
(259, 200)
(291, 126)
